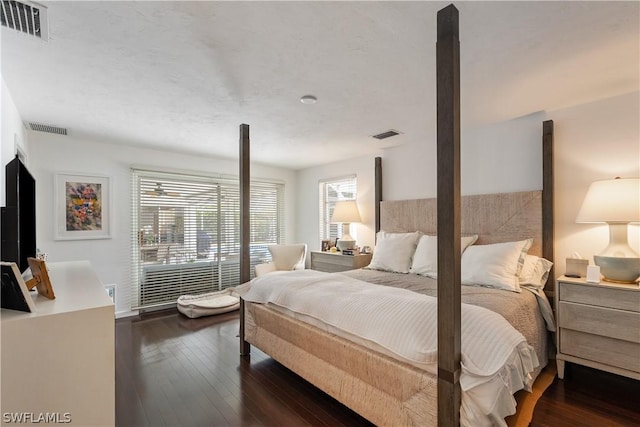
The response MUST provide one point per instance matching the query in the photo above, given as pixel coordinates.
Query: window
(186, 233)
(332, 191)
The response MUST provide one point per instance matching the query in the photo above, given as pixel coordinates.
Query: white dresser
(59, 362)
(598, 326)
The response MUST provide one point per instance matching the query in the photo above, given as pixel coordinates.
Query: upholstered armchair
(284, 258)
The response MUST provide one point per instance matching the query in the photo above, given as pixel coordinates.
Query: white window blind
(186, 233)
(330, 192)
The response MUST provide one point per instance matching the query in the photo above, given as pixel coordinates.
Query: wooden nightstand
(333, 262)
(598, 326)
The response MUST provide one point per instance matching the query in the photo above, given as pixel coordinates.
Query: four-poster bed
(390, 390)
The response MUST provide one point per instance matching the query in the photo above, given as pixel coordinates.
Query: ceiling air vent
(47, 128)
(387, 134)
(25, 16)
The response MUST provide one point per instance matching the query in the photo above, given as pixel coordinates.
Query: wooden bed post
(448, 216)
(245, 233)
(378, 190)
(547, 194)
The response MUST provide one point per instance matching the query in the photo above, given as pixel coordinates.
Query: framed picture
(326, 245)
(15, 295)
(82, 207)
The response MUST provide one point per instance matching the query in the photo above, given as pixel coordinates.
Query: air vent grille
(26, 17)
(47, 128)
(387, 134)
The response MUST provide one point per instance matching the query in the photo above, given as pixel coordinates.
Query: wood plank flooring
(175, 371)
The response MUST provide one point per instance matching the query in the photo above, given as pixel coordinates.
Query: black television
(18, 216)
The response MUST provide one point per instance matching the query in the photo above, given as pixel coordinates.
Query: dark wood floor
(174, 371)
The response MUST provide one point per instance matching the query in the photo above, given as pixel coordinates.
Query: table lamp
(617, 203)
(346, 212)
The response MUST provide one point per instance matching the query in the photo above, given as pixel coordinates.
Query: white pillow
(535, 271)
(425, 259)
(394, 251)
(496, 266)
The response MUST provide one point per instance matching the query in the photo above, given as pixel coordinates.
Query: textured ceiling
(183, 75)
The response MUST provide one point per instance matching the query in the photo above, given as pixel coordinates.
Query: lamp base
(346, 244)
(619, 270)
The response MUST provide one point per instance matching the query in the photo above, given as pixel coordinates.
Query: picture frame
(325, 245)
(14, 295)
(40, 280)
(82, 207)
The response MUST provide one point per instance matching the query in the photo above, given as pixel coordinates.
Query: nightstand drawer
(618, 324)
(613, 352)
(329, 258)
(336, 262)
(600, 295)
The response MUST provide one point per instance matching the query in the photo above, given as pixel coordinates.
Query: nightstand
(598, 326)
(332, 262)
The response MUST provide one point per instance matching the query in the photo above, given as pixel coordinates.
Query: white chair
(284, 258)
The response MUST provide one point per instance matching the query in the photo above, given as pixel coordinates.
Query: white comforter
(496, 360)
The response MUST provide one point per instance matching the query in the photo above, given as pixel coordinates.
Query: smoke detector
(26, 17)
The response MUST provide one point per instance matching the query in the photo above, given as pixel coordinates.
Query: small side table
(332, 262)
(598, 326)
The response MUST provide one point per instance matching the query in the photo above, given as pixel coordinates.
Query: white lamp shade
(346, 211)
(612, 200)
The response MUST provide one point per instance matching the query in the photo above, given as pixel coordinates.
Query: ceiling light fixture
(308, 99)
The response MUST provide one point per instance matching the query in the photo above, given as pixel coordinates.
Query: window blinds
(186, 233)
(330, 192)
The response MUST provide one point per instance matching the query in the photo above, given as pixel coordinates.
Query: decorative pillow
(497, 265)
(288, 257)
(394, 251)
(535, 271)
(425, 259)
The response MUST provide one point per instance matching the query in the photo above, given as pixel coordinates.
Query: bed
(375, 382)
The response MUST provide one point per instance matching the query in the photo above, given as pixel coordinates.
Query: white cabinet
(598, 326)
(59, 362)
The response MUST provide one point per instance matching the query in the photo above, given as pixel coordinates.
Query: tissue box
(576, 267)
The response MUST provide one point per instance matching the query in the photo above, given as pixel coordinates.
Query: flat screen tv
(19, 215)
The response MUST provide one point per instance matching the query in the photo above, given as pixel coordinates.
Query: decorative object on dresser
(15, 295)
(616, 202)
(346, 212)
(40, 278)
(598, 326)
(332, 262)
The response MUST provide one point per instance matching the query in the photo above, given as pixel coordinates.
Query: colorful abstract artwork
(84, 206)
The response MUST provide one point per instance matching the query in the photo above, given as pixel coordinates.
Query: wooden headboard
(495, 218)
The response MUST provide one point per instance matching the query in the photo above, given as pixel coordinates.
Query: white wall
(307, 203)
(595, 141)
(51, 154)
(599, 140)
(497, 157)
(500, 157)
(12, 130)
